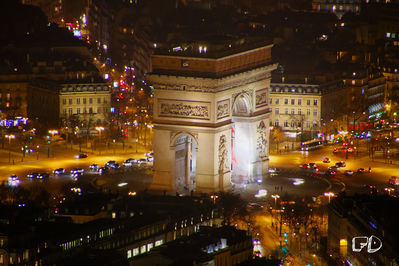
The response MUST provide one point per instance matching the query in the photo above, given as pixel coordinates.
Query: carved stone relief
(223, 154)
(184, 109)
(261, 142)
(223, 109)
(261, 98)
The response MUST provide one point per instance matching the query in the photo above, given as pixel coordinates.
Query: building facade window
(77, 100)
(285, 123)
(63, 101)
(276, 123)
(307, 124)
(308, 111)
(277, 100)
(292, 111)
(292, 101)
(70, 111)
(285, 101)
(299, 111)
(90, 110)
(286, 111)
(98, 100)
(308, 102)
(315, 102)
(98, 110)
(315, 112)
(299, 101)
(292, 123)
(91, 100)
(78, 110)
(64, 111)
(70, 101)
(84, 100)
(276, 111)
(270, 101)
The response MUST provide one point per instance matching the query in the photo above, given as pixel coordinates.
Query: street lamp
(275, 197)
(214, 197)
(99, 129)
(9, 137)
(389, 189)
(53, 132)
(329, 195)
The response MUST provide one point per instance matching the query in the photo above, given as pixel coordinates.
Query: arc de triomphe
(211, 118)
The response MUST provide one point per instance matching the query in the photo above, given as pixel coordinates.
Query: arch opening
(185, 164)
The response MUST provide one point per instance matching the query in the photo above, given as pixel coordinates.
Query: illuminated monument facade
(211, 118)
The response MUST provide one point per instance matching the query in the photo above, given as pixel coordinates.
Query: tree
(277, 136)
(232, 206)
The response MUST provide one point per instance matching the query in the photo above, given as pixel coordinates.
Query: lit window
(158, 242)
(129, 254)
(150, 246)
(353, 82)
(113, 215)
(135, 252)
(143, 249)
(388, 35)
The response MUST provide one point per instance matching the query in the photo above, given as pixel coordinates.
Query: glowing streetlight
(53, 132)
(99, 129)
(275, 197)
(329, 195)
(389, 189)
(10, 137)
(214, 197)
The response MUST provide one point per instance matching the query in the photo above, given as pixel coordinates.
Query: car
(348, 172)
(331, 172)
(102, 170)
(333, 168)
(94, 167)
(150, 159)
(43, 176)
(59, 171)
(371, 189)
(77, 170)
(361, 170)
(393, 181)
(109, 163)
(115, 166)
(142, 161)
(326, 160)
(255, 206)
(305, 166)
(13, 180)
(81, 156)
(312, 165)
(75, 175)
(131, 160)
(256, 241)
(340, 164)
(127, 163)
(32, 175)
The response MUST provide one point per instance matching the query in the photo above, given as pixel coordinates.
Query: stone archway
(185, 163)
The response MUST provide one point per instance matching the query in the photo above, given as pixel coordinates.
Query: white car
(127, 163)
